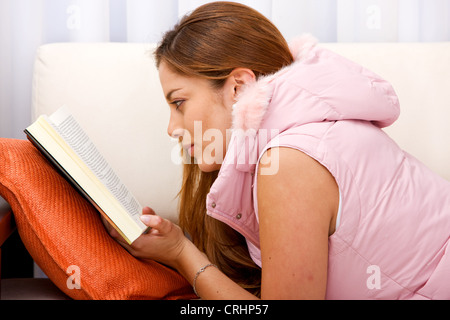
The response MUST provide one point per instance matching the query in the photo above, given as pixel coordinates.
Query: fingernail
(146, 219)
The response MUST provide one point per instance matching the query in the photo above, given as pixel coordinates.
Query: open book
(62, 140)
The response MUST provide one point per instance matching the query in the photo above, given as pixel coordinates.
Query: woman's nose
(175, 130)
(177, 133)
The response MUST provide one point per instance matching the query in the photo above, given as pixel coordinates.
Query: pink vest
(393, 235)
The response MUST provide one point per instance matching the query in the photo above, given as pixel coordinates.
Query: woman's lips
(190, 150)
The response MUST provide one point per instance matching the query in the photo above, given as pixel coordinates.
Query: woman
(302, 195)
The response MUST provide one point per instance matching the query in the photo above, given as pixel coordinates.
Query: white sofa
(114, 91)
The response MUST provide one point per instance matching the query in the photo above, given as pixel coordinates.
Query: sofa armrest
(22, 288)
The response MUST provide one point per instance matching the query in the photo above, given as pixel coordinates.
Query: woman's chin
(208, 168)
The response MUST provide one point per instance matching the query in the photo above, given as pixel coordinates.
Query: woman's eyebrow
(170, 94)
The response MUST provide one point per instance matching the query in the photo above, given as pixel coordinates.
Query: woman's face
(200, 115)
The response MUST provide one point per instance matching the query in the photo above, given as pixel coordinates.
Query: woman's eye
(178, 103)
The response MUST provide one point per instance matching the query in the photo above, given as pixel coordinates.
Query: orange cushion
(61, 229)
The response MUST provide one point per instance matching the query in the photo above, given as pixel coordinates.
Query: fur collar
(253, 101)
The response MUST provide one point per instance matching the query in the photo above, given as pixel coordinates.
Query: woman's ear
(237, 79)
(242, 77)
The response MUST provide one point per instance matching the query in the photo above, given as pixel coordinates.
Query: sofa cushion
(65, 236)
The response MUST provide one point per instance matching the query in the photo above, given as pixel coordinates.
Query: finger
(114, 234)
(106, 224)
(148, 211)
(158, 224)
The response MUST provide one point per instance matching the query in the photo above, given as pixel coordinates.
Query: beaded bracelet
(198, 273)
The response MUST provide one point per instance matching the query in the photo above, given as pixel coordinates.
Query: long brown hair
(210, 43)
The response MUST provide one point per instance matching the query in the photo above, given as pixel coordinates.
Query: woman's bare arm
(297, 212)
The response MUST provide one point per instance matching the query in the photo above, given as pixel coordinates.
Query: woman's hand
(167, 244)
(163, 243)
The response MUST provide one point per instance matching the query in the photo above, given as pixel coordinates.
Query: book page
(70, 130)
